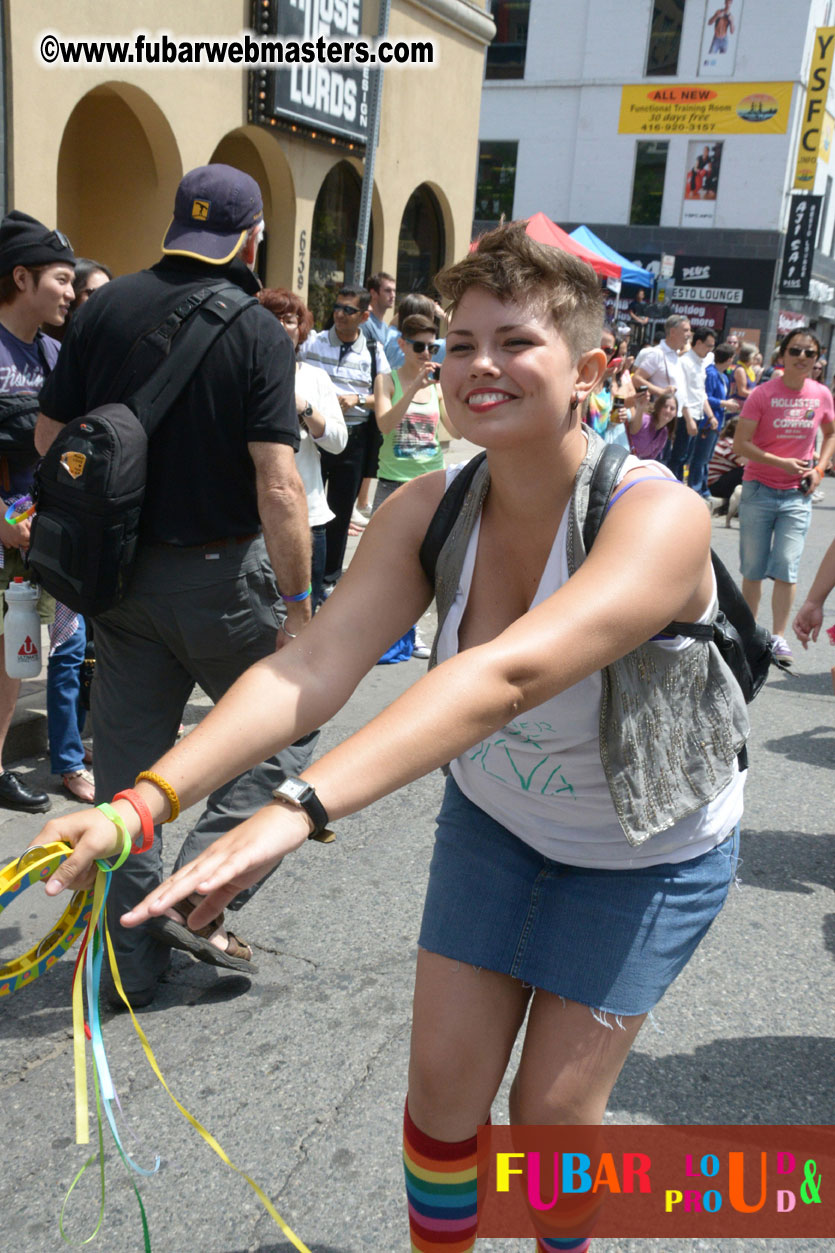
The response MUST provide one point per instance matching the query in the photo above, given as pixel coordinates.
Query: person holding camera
(409, 405)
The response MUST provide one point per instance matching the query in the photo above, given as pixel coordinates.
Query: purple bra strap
(646, 478)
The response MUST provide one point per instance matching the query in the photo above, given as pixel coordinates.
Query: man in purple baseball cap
(223, 527)
(215, 208)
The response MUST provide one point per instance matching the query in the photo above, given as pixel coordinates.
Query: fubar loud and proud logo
(713, 1182)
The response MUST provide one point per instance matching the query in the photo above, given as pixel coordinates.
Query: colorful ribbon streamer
(37, 864)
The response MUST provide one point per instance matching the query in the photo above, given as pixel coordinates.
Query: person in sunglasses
(409, 405)
(352, 362)
(776, 433)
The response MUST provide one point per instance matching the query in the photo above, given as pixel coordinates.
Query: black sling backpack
(90, 485)
(745, 647)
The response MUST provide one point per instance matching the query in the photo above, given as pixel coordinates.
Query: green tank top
(412, 448)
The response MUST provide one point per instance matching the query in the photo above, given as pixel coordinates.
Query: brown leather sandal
(236, 956)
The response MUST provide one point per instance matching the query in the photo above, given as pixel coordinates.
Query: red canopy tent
(544, 231)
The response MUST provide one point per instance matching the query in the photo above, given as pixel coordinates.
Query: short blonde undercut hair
(513, 267)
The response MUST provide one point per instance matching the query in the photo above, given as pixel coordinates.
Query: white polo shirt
(662, 366)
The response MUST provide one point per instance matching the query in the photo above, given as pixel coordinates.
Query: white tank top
(541, 775)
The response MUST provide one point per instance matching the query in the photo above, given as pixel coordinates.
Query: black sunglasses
(349, 309)
(802, 352)
(419, 346)
(58, 241)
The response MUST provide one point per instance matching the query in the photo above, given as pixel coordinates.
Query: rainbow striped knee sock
(441, 1190)
(573, 1246)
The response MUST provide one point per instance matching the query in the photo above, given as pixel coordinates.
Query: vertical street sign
(814, 108)
(799, 246)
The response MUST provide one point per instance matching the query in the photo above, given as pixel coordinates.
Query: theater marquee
(321, 101)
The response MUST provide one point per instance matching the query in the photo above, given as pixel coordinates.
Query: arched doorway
(118, 170)
(421, 248)
(257, 153)
(333, 238)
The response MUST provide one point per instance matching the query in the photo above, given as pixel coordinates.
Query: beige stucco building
(99, 150)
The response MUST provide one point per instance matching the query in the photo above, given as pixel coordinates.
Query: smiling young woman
(577, 866)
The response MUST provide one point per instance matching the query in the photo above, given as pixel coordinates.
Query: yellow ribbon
(207, 1136)
(36, 864)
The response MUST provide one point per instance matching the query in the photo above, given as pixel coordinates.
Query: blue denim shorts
(772, 531)
(611, 939)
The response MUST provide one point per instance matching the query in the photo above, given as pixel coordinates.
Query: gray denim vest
(671, 723)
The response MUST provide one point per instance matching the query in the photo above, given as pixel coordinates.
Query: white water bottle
(22, 631)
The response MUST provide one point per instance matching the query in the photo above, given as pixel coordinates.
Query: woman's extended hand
(91, 835)
(232, 863)
(808, 622)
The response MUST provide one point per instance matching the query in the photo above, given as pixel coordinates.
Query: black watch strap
(310, 803)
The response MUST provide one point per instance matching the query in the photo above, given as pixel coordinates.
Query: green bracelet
(127, 842)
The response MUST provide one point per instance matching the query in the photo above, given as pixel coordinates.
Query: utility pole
(370, 154)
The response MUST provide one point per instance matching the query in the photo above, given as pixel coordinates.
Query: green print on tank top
(503, 766)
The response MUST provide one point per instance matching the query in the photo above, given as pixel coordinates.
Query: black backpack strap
(692, 630)
(185, 338)
(603, 480)
(444, 516)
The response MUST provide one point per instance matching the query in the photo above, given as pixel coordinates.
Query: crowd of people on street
(604, 868)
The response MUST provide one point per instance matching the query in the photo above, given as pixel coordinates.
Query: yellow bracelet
(165, 787)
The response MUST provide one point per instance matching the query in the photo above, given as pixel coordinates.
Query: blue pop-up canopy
(630, 273)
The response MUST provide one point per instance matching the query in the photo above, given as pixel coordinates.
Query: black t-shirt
(201, 478)
(638, 307)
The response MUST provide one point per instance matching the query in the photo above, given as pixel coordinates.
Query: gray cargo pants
(191, 616)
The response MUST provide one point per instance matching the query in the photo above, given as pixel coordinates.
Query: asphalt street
(300, 1072)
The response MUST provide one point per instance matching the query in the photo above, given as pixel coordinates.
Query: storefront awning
(544, 231)
(630, 273)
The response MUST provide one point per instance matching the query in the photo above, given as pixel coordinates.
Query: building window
(648, 184)
(506, 54)
(496, 180)
(421, 248)
(664, 37)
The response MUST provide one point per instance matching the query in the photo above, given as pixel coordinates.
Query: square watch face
(293, 789)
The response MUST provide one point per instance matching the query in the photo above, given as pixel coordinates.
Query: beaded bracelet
(143, 813)
(119, 823)
(165, 787)
(291, 600)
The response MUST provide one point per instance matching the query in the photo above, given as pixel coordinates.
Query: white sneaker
(781, 649)
(817, 497)
(421, 650)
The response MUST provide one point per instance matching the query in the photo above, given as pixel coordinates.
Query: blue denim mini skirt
(611, 939)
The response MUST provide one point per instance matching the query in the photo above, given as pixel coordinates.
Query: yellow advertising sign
(813, 109)
(705, 109)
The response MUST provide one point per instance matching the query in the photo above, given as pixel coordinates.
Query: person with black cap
(36, 275)
(223, 527)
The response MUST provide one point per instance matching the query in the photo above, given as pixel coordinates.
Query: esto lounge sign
(331, 100)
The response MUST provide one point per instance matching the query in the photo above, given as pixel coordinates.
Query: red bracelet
(144, 814)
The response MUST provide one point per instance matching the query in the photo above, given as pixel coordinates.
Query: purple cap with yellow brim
(214, 209)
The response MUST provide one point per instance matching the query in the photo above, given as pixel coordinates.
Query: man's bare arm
(46, 431)
(282, 508)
